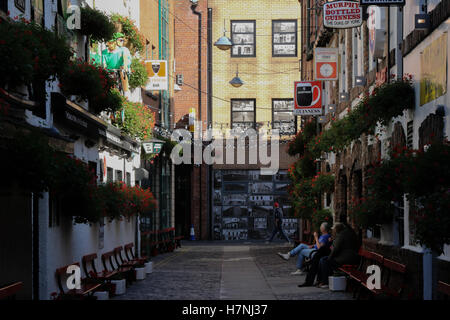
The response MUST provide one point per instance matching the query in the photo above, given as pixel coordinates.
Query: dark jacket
(345, 247)
(278, 216)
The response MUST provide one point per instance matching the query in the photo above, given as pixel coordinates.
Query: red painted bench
(87, 287)
(8, 292)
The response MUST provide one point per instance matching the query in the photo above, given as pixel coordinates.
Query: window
(4, 6)
(37, 11)
(128, 179)
(243, 38)
(283, 117)
(109, 175)
(243, 113)
(119, 176)
(284, 38)
(54, 206)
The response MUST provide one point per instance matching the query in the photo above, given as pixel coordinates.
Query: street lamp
(236, 81)
(224, 43)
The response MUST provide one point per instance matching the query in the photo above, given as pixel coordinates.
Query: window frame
(273, 113)
(254, 38)
(231, 112)
(273, 38)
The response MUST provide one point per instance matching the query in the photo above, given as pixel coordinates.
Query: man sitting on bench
(345, 251)
(304, 250)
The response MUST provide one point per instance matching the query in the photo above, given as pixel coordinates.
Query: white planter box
(337, 283)
(149, 267)
(121, 286)
(140, 273)
(102, 295)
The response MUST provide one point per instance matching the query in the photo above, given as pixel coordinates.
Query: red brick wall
(186, 62)
(186, 57)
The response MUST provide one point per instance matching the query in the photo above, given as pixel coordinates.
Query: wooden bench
(9, 291)
(87, 287)
(121, 261)
(128, 248)
(443, 289)
(390, 288)
(104, 277)
(127, 272)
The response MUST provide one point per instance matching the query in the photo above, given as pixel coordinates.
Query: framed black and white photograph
(284, 38)
(217, 197)
(243, 38)
(283, 117)
(261, 187)
(243, 113)
(234, 199)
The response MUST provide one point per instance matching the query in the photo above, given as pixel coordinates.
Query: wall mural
(243, 204)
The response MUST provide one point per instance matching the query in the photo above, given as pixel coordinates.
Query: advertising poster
(326, 64)
(433, 70)
(308, 98)
(157, 74)
(342, 14)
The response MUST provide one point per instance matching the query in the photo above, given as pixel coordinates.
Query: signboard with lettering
(308, 98)
(383, 2)
(157, 75)
(342, 14)
(326, 64)
(152, 147)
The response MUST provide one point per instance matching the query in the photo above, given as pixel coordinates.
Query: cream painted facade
(265, 77)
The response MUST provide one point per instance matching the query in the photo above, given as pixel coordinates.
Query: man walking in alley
(278, 216)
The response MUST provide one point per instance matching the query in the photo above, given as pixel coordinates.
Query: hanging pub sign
(157, 75)
(342, 14)
(326, 63)
(152, 147)
(308, 98)
(383, 2)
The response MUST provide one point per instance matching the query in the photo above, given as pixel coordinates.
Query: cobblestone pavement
(224, 270)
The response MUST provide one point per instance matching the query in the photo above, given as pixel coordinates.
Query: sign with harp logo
(157, 74)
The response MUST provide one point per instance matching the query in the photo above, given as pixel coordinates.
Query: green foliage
(386, 102)
(139, 76)
(138, 119)
(96, 25)
(135, 39)
(30, 52)
(320, 216)
(323, 182)
(298, 144)
(424, 176)
(91, 82)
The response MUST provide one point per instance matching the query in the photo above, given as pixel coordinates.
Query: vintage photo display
(243, 203)
(283, 117)
(284, 38)
(243, 38)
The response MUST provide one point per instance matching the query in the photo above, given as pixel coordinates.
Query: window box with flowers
(91, 82)
(135, 41)
(135, 119)
(96, 25)
(30, 53)
(386, 102)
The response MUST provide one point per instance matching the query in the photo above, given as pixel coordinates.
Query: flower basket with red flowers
(30, 53)
(91, 82)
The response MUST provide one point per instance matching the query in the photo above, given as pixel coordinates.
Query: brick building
(265, 54)
(391, 45)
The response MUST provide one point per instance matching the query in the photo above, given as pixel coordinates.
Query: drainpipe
(199, 14)
(209, 119)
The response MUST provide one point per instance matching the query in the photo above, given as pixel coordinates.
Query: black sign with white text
(382, 2)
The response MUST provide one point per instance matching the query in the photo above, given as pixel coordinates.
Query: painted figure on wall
(117, 58)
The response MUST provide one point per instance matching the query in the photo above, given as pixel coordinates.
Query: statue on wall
(116, 58)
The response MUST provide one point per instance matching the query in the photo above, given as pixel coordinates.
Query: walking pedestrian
(278, 219)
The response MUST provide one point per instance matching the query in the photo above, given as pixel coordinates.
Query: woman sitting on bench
(304, 250)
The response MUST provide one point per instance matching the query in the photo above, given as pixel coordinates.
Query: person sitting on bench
(304, 250)
(345, 251)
